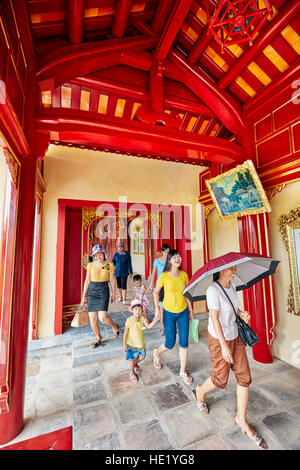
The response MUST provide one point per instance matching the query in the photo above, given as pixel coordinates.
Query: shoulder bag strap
(227, 297)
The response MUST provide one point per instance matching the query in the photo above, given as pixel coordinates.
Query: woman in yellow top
(177, 309)
(99, 274)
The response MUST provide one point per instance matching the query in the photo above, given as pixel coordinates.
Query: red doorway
(82, 224)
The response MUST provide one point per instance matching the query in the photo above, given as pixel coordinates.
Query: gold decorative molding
(271, 192)
(208, 209)
(13, 167)
(85, 259)
(88, 214)
(287, 224)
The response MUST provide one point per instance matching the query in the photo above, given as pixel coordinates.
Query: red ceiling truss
(114, 74)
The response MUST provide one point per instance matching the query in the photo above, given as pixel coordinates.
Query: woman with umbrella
(226, 347)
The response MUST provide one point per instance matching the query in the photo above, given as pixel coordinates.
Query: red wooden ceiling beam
(77, 60)
(75, 10)
(224, 107)
(121, 16)
(92, 128)
(179, 12)
(200, 45)
(162, 12)
(266, 35)
(108, 85)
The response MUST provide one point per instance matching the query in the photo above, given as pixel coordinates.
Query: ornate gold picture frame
(238, 192)
(289, 225)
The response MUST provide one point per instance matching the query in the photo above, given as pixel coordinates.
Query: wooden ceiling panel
(119, 90)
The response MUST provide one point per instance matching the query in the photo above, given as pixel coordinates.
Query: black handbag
(161, 294)
(247, 334)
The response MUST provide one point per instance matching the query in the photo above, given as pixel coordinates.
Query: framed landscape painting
(238, 192)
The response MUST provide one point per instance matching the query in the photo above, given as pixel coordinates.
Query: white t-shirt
(217, 300)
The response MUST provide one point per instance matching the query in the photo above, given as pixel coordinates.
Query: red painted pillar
(259, 300)
(11, 422)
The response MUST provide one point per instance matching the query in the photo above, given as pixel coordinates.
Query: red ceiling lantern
(237, 21)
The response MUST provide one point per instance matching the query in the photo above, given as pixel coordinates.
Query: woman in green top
(177, 310)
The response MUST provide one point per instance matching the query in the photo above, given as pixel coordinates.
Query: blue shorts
(132, 354)
(169, 321)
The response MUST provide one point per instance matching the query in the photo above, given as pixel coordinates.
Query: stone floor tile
(52, 401)
(136, 407)
(52, 364)
(33, 368)
(211, 443)
(285, 427)
(88, 392)
(107, 442)
(292, 377)
(54, 380)
(122, 384)
(187, 425)
(280, 391)
(145, 436)
(91, 420)
(222, 408)
(82, 374)
(151, 376)
(115, 366)
(259, 402)
(169, 396)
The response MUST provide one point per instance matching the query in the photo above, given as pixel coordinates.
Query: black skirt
(98, 297)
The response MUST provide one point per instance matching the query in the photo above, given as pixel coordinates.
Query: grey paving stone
(122, 384)
(187, 426)
(134, 408)
(88, 392)
(92, 420)
(285, 427)
(146, 436)
(169, 396)
(107, 442)
(280, 390)
(83, 374)
(259, 403)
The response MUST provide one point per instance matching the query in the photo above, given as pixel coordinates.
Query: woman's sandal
(95, 344)
(116, 333)
(257, 438)
(133, 377)
(187, 378)
(156, 360)
(202, 406)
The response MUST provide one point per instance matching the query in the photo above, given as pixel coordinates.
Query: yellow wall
(288, 325)
(98, 176)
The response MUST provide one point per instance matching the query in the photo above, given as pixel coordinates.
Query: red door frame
(60, 250)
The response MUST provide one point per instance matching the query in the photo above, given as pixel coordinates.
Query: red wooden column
(11, 421)
(259, 300)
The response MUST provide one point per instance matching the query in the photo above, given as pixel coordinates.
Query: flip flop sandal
(95, 344)
(116, 333)
(187, 379)
(156, 361)
(202, 406)
(133, 377)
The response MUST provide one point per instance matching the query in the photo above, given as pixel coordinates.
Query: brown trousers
(221, 368)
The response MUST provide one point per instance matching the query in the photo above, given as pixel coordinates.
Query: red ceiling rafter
(221, 104)
(77, 60)
(73, 126)
(267, 33)
(162, 12)
(121, 17)
(75, 10)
